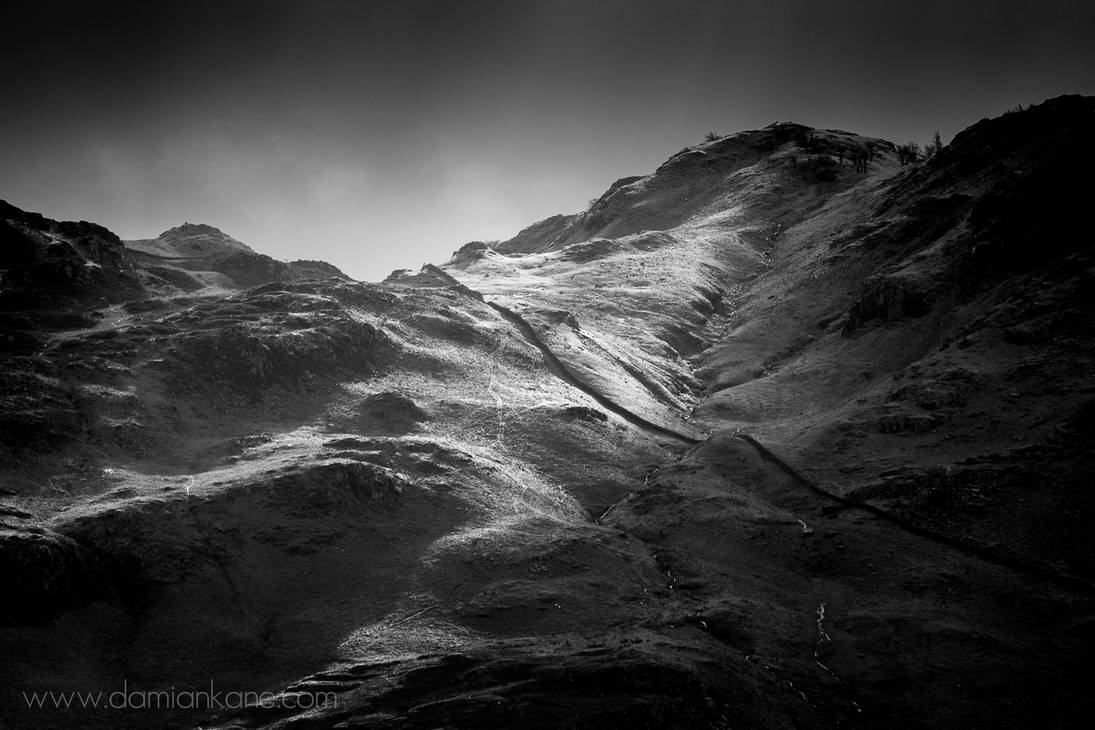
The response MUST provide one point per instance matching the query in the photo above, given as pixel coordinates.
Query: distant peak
(193, 229)
(201, 239)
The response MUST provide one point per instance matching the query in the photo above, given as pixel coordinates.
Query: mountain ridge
(625, 469)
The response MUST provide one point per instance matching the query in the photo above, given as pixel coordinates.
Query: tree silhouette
(908, 153)
(931, 149)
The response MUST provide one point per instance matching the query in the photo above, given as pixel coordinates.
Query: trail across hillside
(1014, 561)
(559, 369)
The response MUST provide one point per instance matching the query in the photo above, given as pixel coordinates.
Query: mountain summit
(190, 240)
(784, 434)
(195, 256)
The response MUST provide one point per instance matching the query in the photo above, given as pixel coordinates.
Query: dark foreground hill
(781, 435)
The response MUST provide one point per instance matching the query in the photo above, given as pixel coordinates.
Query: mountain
(783, 434)
(190, 240)
(193, 256)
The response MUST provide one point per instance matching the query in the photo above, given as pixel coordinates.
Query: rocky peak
(202, 239)
(193, 229)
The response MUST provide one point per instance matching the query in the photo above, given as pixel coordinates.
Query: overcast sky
(382, 135)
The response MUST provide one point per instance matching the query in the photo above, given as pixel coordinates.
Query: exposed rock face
(887, 298)
(780, 435)
(45, 261)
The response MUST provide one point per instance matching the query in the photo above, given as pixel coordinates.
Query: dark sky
(380, 135)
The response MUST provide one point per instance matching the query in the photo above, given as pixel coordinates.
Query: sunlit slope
(625, 293)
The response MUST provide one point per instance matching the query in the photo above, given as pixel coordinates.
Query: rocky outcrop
(309, 269)
(47, 263)
(540, 236)
(887, 298)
